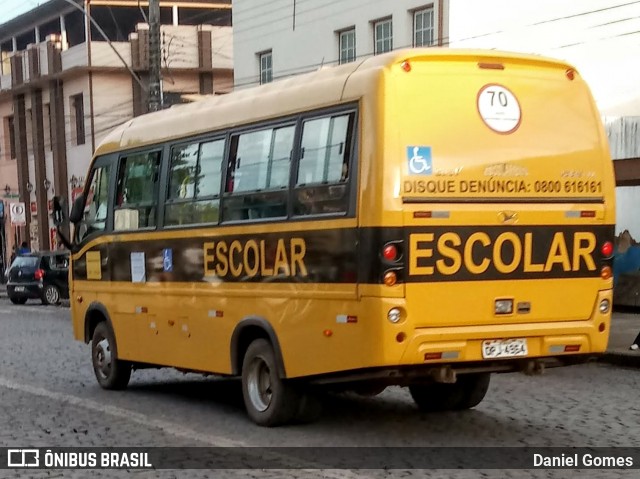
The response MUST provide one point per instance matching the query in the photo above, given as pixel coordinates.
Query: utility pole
(154, 55)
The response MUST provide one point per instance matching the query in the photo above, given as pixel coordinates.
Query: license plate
(504, 348)
(19, 289)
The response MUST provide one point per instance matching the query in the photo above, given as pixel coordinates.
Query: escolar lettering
(251, 258)
(449, 253)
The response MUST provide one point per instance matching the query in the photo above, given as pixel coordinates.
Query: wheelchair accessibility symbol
(419, 158)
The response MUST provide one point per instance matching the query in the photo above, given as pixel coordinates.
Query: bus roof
(322, 88)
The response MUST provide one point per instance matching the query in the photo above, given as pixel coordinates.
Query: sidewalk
(625, 326)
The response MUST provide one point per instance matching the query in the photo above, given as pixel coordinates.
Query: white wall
(261, 26)
(112, 105)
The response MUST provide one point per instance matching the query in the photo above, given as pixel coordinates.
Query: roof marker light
(406, 66)
(491, 66)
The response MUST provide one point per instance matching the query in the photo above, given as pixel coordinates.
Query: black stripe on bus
(354, 255)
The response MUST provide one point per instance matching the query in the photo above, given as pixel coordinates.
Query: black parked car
(41, 276)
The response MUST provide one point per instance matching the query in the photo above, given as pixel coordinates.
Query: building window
(347, 40)
(10, 140)
(266, 68)
(46, 118)
(76, 104)
(382, 36)
(423, 29)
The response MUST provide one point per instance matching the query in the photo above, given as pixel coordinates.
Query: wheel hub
(103, 357)
(259, 385)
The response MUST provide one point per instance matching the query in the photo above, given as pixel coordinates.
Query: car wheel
(111, 372)
(16, 300)
(51, 295)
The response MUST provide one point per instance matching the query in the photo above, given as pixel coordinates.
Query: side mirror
(60, 218)
(59, 210)
(77, 210)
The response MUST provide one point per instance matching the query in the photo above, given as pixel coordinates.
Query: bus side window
(136, 188)
(258, 174)
(194, 183)
(95, 209)
(323, 170)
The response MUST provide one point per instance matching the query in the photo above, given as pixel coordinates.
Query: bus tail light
(606, 272)
(391, 256)
(390, 278)
(607, 249)
(39, 274)
(390, 252)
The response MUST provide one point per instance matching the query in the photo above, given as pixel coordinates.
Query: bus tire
(111, 372)
(269, 400)
(467, 392)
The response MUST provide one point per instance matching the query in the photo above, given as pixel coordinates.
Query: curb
(630, 360)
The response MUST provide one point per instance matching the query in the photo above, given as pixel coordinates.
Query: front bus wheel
(270, 400)
(111, 372)
(467, 392)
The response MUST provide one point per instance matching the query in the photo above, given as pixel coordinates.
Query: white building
(600, 37)
(280, 38)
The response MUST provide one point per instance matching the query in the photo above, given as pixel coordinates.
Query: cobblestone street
(51, 399)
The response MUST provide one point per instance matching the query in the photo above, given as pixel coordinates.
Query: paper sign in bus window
(138, 269)
(419, 159)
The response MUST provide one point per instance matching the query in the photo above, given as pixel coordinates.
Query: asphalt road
(50, 398)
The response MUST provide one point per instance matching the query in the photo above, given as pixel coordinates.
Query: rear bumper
(25, 290)
(407, 375)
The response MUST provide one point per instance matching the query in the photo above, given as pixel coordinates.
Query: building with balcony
(67, 79)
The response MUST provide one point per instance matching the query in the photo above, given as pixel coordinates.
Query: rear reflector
(572, 348)
(432, 356)
(431, 214)
(587, 214)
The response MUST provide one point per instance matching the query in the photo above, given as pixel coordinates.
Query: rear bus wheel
(111, 372)
(467, 392)
(269, 400)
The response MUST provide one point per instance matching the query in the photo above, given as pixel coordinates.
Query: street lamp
(47, 184)
(29, 187)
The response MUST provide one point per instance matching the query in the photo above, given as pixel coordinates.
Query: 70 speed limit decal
(499, 109)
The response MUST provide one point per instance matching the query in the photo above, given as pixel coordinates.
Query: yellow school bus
(422, 218)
